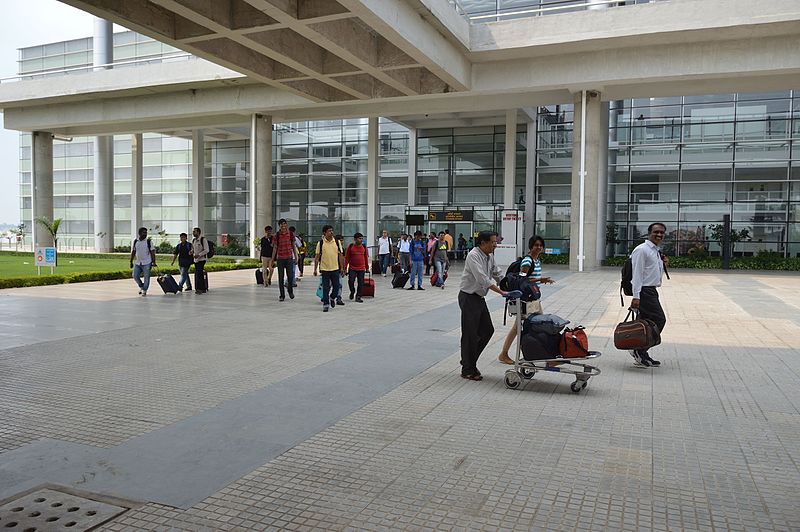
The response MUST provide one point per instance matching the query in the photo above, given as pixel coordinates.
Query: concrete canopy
(409, 59)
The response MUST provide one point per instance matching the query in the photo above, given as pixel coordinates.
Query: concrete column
(42, 186)
(590, 138)
(104, 194)
(509, 160)
(372, 180)
(137, 168)
(602, 184)
(530, 182)
(412, 167)
(198, 179)
(103, 54)
(260, 176)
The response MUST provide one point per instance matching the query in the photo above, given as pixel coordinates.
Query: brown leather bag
(636, 333)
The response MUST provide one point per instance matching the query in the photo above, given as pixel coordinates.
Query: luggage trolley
(526, 369)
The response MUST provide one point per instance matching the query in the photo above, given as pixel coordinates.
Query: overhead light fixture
(61, 138)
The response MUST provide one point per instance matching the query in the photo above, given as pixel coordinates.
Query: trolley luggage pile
(540, 342)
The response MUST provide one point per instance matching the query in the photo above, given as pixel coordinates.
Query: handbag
(636, 333)
(319, 291)
(574, 343)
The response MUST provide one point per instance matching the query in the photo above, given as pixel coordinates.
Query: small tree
(718, 230)
(52, 227)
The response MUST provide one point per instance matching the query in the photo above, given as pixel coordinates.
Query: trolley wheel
(527, 373)
(512, 379)
(577, 386)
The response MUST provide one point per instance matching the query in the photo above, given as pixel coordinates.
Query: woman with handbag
(531, 267)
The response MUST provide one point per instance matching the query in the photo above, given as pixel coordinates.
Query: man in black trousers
(481, 274)
(648, 267)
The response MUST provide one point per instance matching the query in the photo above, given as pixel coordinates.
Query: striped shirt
(534, 267)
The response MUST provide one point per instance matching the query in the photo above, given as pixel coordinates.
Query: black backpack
(626, 284)
(211, 247)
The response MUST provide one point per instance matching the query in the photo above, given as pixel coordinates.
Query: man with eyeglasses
(648, 268)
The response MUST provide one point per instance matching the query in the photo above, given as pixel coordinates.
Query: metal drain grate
(48, 510)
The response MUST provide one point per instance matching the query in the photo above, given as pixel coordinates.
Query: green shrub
(42, 280)
(166, 248)
(764, 261)
(554, 259)
(97, 276)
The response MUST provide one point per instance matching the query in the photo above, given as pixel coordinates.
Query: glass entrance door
(456, 229)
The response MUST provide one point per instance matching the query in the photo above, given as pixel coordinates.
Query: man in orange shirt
(449, 239)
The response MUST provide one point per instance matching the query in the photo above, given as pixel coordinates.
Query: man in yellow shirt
(329, 259)
(449, 239)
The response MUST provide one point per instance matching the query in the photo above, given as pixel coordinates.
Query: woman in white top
(532, 267)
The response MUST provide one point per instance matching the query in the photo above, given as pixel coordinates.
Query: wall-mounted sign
(450, 216)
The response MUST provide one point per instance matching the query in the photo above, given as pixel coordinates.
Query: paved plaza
(232, 411)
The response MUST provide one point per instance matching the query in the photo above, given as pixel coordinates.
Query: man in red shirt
(284, 251)
(356, 260)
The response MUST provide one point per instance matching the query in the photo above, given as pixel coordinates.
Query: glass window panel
(434, 145)
(392, 196)
(548, 176)
(762, 151)
(433, 162)
(470, 143)
(432, 179)
(761, 191)
(429, 196)
(326, 181)
(296, 151)
(465, 195)
(705, 172)
(655, 131)
(710, 98)
(761, 171)
(708, 132)
(478, 179)
(654, 192)
(704, 212)
(393, 180)
(560, 158)
(705, 192)
(655, 154)
(473, 161)
(763, 95)
(660, 173)
(553, 194)
(618, 194)
(773, 128)
(759, 212)
(696, 153)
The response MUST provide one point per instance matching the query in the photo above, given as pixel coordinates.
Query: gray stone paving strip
(184, 462)
(751, 294)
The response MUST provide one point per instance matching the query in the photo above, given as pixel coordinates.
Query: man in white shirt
(648, 267)
(200, 251)
(404, 253)
(144, 254)
(481, 274)
(384, 251)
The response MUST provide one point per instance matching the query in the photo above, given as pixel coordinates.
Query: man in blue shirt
(418, 250)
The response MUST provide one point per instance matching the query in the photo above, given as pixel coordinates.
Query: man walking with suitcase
(183, 252)
(356, 260)
(648, 267)
(200, 252)
(330, 261)
(144, 253)
(418, 254)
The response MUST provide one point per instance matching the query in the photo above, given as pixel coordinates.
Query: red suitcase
(368, 289)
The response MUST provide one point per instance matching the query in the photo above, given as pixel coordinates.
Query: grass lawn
(11, 266)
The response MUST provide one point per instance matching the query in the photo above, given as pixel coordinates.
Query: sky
(28, 23)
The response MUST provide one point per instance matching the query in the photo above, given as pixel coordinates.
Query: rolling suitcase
(168, 284)
(259, 276)
(376, 267)
(369, 286)
(399, 280)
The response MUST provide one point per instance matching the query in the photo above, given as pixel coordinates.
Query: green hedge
(554, 259)
(43, 280)
(764, 261)
(163, 257)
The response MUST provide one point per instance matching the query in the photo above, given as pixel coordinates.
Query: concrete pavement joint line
(184, 462)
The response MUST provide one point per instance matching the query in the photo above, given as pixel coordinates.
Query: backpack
(626, 284)
(149, 244)
(366, 253)
(321, 248)
(211, 247)
(514, 281)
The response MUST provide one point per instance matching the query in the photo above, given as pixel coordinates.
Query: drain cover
(48, 510)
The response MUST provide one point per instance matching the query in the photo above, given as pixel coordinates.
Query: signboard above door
(450, 216)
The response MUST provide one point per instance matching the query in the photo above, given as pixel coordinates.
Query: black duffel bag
(539, 345)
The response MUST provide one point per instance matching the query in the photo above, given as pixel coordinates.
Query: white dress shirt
(480, 273)
(647, 267)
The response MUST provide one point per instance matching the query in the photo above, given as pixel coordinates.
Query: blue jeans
(385, 262)
(440, 272)
(416, 271)
(185, 277)
(138, 270)
(331, 285)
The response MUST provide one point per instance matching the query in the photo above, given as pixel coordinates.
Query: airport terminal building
(682, 158)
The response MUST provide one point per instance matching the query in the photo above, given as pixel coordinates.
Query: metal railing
(551, 8)
(165, 58)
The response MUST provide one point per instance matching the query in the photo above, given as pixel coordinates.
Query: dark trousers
(352, 277)
(330, 286)
(476, 330)
(300, 263)
(200, 276)
(286, 269)
(650, 307)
